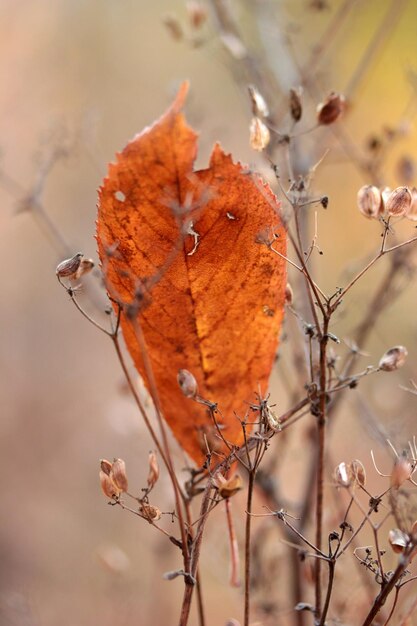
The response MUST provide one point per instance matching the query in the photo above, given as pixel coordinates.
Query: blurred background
(79, 80)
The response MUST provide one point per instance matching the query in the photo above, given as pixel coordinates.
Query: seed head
(393, 359)
(296, 108)
(153, 474)
(398, 540)
(69, 267)
(259, 136)
(187, 383)
(105, 466)
(401, 473)
(289, 295)
(331, 108)
(399, 202)
(343, 475)
(118, 474)
(412, 211)
(228, 487)
(152, 513)
(358, 472)
(370, 201)
(259, 106)
(108, 487)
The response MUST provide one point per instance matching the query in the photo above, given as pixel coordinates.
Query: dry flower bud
(108, 487)
(398, 540)
(197, 13)
(358, 472)
(343, 475)
(152, 513)
(173, 26)
(393, 359)
(399, 202)
(296, 108)
(412, 211)
(259, 134)
(289, 295)
(69, 267)
(153, 474)
(370, 201)
(105, 466)
(331, 109)
(118, 474)
(187, 383)
(259, 106)
(402, 471)
(228, 487)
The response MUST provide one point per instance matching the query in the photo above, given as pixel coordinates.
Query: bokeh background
(79, 79)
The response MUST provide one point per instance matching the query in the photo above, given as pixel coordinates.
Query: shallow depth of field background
(91, 75)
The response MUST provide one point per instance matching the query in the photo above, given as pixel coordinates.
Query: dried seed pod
(187, 383)
(343, 475)
(289, 295)
(393, 359)
(398, 540)
(259, 136)
(296, 108)
(69, 267)
(259, 106)
(399, 202)
(118, 474)
(105, 466)
(153, 473)
(273, 420)
(401, 472)
(197, 13)
(152, 513)
(358, 472)
(173, 26)
(331, 108)
(108, 487)
(228, 487)
(370, 201)
(412, 211)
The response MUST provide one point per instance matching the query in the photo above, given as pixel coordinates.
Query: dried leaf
(193, 283)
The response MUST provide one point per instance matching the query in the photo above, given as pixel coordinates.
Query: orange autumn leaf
(182, 252)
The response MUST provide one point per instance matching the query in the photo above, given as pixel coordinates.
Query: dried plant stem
(394, 604)
(234, 548)
(194, 555)
(178, 495)
(200, 605)
(248, 525)
(321, 431)
(332, 565)
(389, 586)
